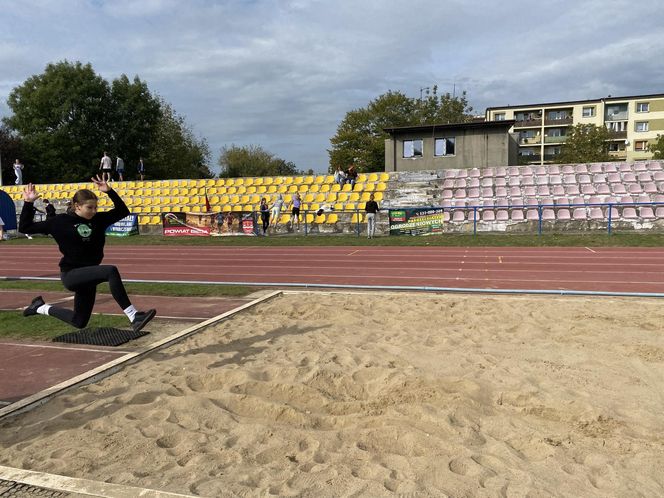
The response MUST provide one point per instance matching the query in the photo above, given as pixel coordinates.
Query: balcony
(528, 123)
(531, 159)
(559, 121)
(551, 157)
(555, 140)
(618, 135)
(617, 116)
(618, 154)
(530, 140)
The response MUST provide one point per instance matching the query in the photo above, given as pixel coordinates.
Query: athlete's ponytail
(80, 197)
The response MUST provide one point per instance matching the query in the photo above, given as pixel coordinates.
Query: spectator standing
(371, 209)
(296, 203)
(339, 176)
(265, 215)
(18, 172)
(351, 176)
(106, 165)
(276, 210)
(119, 168)
(141, 169)
(49, 208)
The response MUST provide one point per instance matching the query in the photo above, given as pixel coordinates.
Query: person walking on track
(81, 234)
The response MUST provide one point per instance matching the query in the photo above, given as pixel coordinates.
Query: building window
(617, 125)
(499, 116)
(641, 145)
(556, 115)
(588, 112)
(643, 107)
(412, 148)
(614, 147)
(444, 146)
(641, 126)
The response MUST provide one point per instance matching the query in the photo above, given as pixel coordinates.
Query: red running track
(564, 269)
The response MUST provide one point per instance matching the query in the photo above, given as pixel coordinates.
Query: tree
(586, 143)
(252, 160)
(657, 148)
(360, 138)
(62, 116)
(11, 148)
(174, 150)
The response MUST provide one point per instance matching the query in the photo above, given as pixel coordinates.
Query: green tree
(174, 150)
(360, 138)
(63, 117)
(252, 160)
(586, 143)
(657, 148)
(11, 148)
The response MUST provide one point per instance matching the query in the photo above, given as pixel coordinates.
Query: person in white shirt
(106, 165)
(18, 172)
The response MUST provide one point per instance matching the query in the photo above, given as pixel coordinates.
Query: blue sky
(282, 74)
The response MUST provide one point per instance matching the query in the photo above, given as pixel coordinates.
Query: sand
(373, 395)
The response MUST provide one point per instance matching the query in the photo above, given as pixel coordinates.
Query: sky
(282, 74)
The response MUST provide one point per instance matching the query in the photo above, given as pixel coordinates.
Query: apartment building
(542, 128)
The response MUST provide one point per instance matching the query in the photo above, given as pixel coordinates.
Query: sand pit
(370, 395)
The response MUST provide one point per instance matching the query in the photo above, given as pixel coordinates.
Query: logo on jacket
(84, 231)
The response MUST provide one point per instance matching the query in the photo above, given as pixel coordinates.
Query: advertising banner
(416, 221)
(125, 227)
(209, 224)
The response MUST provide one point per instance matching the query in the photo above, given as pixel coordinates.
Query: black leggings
(266, 221)
(83, 282)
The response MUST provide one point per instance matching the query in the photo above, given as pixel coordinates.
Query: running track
(566, 269)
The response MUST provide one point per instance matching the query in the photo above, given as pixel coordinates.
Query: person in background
(371, 209)
(106, 166)
(296, 203)
(18, 172)
(141, 169)
(265, 215)
(276, 210)
(119, 168)
(351, 176)
(339, 176)
(49, 208)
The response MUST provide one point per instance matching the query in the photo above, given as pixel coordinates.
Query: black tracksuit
(81, 243)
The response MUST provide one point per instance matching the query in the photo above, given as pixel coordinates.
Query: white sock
(131, 312)
(43, 309)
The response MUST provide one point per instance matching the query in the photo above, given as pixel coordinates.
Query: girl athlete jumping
(81, 234)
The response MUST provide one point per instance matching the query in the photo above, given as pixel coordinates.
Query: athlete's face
(86, 209)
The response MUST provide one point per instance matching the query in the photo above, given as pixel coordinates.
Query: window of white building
(413, 148)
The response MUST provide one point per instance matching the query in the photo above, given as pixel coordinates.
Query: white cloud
(282, 73)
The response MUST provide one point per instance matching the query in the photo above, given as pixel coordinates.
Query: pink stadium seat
(500, 182)
(563, 214)
(635, 188)
(502, 203)
(513, 171)
(658, 176)
(448, 183)
(553, 169)
(610, 168)
(580, 214)
(488, 215)
(558, 190)
(584, 179)
(500, 172)
(488, 172)
(526, 171)
(460, 183)
(542, 180)
(628, 177)
(489, 203)
(459, 203)
(487, 182)
(629, 213)
(659, 212)
(462, 173)
(473, 182)
(614, 213)
(581, 168)
(517, 201)
(572, 189)
(555, 180)
(562, 201)
(446, 204)
(532, 214)
(595, 168)
(546, 201)
(625, 167)
(658, 198)
(596, 213)
(514, 181)
(610, 200)
(567, 169)
(569, 180)
(640, 167)
(595, 200)
(599, 178)
(446, 216)
(540, 171)
(502, 215)
(450, 173)
(460, 193)
(459, 216)
(501, 192)
(655, 166)
(644, 176)
(527, 180)
(626, 199)
(643, 198)
(447, 194)
(588, 190)
(548, 214)
(529, 190)
(474, 173)
(578, 200)
(474, 193)
(543, 190)
(516, 215)
(603, 189)
(618, 188)
(531, 201)
(646, 213)
(487, 192)
(614, 178)
(515, 191)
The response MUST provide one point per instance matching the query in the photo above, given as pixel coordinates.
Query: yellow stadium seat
(342, 197)
(262, 189)
(214, 199)
(226, 208)
(354, 197)
(231, 190)
(365, 196)
(303, 188)
(329, 179)
(229, 182)
(267, 181)
(373, 177)
(347, 187)
(332, 218)
(320, 219)
(245, 199)
(362, 177)
(320, 179)
(314, 188)
(282, 189)
(308, 179)
(196, 209)
(219, 182)
(325, 188)
(271, 189)
(200, 183)
(335, 188)
(331, 197)
(143, 220)
(350, 206)
(357, 217)
(381, 186)
(309, 218)
(308, 198)
(237, 207)
(247, 207)
(239, 182)
(209, 182)
(284, 219)
(384, 177)
(223, 199)
(314, 207)
(258, 181)
(241, 189)
(278, 180)
(255, 199)
(378, 196)
(298, 180)
(361, 206)
(235, 199)
(320, 197)
(369, 187)
(251, 190)
(155, 220)
(292, 189)
(339, 206)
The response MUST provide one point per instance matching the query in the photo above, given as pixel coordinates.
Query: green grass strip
(13, 325)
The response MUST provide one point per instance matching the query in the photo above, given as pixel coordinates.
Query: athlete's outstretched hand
(102, 182)
(30, 193)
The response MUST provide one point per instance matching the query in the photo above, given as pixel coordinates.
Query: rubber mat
(101, 336)
(17, 489)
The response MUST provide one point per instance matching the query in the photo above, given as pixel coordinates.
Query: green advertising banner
(416, 221)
